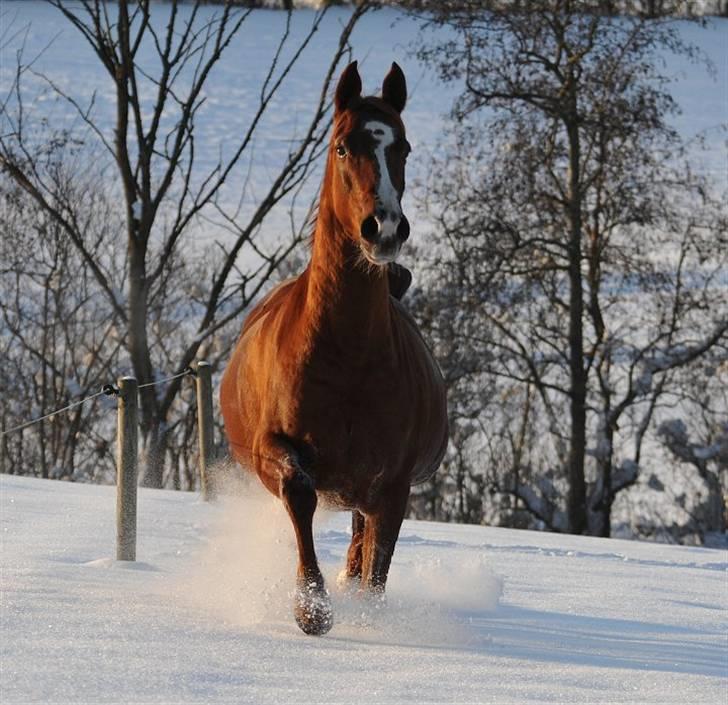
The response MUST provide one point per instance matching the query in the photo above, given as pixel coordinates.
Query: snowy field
(474, 614)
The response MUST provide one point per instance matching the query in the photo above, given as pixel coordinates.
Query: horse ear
(394, 88)
(348, 88)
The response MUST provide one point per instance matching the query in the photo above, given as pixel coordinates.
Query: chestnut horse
(331, 392)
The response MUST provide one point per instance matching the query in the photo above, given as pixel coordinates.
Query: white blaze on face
(389, 212)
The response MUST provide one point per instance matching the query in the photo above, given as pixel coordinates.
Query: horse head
(367, 158)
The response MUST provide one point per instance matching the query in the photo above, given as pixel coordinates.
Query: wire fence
(70, 406)
(127, 393)
(107, 390)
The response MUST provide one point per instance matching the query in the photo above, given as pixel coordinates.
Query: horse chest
(360, 427)
(351, 405)
(363, 417)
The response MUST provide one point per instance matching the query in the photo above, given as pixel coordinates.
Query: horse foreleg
(380, 536)
(312, 604)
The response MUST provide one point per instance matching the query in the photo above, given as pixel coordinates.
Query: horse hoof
(348, 584)
(375, 598)
(312, 610)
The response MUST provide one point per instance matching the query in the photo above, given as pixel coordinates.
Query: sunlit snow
(474, 614)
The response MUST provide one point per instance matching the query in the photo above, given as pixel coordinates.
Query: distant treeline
(650, 8)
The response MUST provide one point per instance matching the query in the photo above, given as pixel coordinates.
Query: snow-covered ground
(474, 614)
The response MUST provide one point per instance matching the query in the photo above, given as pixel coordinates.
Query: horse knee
(299, 494)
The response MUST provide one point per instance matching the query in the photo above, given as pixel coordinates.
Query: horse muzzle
(383, 236)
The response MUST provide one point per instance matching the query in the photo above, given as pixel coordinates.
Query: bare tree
(60, 341)
(695, 432)
(152, 145)
(585, 254)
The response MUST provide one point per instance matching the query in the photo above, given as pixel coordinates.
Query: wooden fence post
(126, 470)
(205, 427)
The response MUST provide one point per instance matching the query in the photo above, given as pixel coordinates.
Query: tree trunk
(576, 497)
(138, 237)
(151, 423)
(600, 505)
(713, 509)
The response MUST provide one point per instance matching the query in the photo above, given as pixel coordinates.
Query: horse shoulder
(271, 301)
(242, 389)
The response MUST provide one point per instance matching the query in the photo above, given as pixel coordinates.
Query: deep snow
(474, 614)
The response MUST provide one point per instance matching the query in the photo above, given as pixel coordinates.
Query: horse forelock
(362, 110)
(378, 106)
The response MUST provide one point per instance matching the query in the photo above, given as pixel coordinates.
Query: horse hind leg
(380, 536)
(312, 603)
(351, 574)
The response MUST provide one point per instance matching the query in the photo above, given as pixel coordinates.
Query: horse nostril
(403, 229)
(370, 228)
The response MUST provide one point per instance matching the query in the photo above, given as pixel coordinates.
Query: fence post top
(203, 363)
(127, 378)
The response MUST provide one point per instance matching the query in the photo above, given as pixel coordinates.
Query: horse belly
(381, 436)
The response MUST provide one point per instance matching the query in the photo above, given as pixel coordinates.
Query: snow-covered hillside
(474, 614)
(60, 55)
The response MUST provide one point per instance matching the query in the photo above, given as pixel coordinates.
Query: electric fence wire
(108, 390)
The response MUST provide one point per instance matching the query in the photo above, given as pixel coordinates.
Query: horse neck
(347, 299)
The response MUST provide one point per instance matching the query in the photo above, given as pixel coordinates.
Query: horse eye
(340, 150)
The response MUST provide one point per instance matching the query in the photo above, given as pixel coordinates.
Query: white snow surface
(474, 614)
